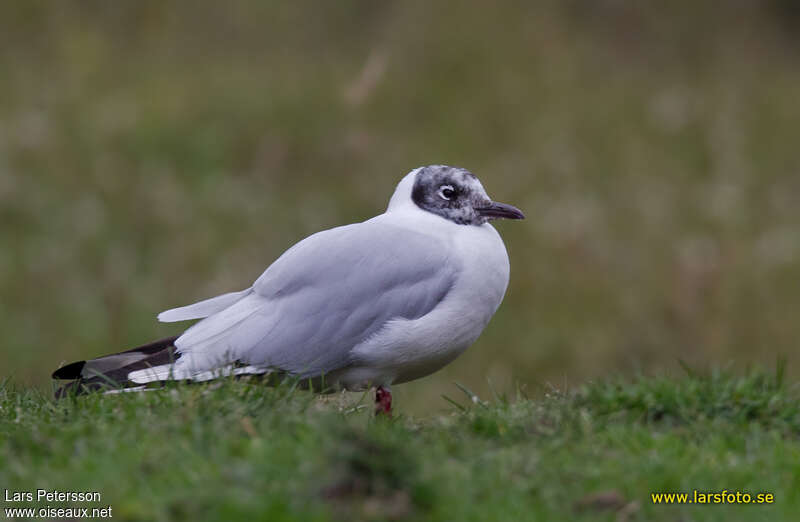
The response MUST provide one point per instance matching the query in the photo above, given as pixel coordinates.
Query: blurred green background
(156, 153)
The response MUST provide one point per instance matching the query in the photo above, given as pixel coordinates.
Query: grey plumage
(326, 294)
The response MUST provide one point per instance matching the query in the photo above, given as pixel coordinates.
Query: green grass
(241, 451)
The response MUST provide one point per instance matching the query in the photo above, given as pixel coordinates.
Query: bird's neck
(401, 199)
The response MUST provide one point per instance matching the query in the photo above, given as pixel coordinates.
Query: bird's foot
(383, 401)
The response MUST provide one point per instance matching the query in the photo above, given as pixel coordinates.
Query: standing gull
(376, 303)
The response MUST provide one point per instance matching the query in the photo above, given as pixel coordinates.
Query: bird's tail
(112, 371)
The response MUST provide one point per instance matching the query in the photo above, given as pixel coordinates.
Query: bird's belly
(364, 375)
(405, 351)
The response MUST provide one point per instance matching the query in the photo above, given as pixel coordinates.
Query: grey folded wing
(324, 296)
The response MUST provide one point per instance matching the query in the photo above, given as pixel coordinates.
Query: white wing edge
(168, 372)
(202, 309)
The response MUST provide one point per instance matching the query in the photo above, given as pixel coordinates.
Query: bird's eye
(447, 192)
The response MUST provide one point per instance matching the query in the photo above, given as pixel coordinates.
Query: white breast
(409, 349)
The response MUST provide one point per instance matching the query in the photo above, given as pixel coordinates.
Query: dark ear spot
(418, 194)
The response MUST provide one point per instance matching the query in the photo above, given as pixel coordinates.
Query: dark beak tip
(501, 210)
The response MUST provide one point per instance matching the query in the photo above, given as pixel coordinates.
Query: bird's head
(452, 193)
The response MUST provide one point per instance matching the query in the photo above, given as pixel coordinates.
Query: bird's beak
(500, 210)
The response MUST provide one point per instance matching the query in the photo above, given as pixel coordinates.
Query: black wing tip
(73, 370)
(70, 371)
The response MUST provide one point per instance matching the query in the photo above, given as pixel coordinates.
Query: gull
(370, 304)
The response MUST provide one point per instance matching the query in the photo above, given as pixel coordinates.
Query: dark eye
(447, 192)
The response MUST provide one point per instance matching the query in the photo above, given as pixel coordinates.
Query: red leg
(383, 401)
